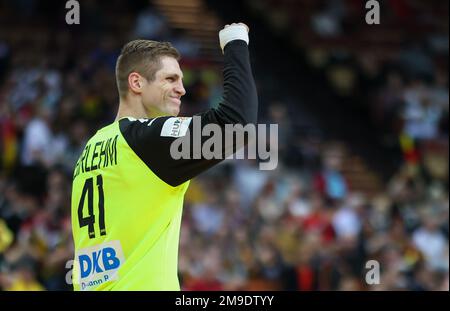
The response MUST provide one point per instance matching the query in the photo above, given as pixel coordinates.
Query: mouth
(175, 100)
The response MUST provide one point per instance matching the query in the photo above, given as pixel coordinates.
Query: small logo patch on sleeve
(175, 127)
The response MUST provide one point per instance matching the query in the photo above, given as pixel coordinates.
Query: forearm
(240, 101)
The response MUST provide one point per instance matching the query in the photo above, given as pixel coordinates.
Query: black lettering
(105, 153)
(102, 151)
(87, 169)
(113, 150)
(90, 219)
(83, 156)
(88, 190)
(176, 128)
(101, 205)
(77, 169)
(94, 155)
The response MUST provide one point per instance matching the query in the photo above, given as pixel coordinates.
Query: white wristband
(233, 32)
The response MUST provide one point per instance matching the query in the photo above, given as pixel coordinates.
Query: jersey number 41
(88, 190)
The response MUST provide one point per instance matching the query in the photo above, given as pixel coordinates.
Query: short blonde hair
(143, 57)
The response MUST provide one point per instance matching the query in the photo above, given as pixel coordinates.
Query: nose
(179, 89)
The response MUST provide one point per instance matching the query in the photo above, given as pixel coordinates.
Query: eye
(170, 79)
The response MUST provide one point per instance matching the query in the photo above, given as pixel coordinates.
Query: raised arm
(152, 139)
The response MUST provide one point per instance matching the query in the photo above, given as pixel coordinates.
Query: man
(128, 190)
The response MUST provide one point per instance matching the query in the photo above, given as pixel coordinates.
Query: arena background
(363, 140)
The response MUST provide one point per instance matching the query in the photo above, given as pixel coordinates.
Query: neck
(131, 107)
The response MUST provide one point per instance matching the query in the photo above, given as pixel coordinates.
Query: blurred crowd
(302, 226)
(248, 229)
(398, 68)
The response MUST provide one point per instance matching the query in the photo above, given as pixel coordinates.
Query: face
(162, 96)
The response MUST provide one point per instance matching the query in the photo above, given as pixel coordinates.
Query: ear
(135, 82)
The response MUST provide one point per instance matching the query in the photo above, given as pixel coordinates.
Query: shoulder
(160, 126)
(129, 122)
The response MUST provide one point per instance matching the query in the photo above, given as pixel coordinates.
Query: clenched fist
(235, 31)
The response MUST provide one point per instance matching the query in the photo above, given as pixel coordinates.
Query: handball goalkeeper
(127, 192)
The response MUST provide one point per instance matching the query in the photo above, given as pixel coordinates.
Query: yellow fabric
(142, 216)
(6, 236)
(22, 285)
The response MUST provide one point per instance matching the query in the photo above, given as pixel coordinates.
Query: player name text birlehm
(97, 155)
